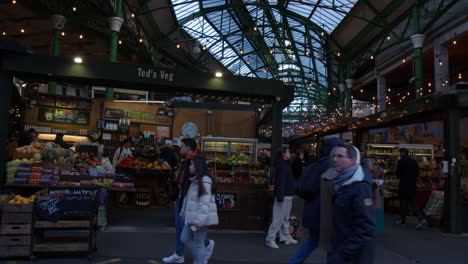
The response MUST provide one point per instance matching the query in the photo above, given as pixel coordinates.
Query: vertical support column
(277, 132)
(115, 23)
(418, 40)
(6, 85)
(58, 22)
(441, 67)
(342, 89)
(381, 93)
(348, 94)
(453, 192)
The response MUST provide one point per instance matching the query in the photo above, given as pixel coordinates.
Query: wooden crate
(17, 208)
(15, 240)
(7, 229)
(16, 218)
(17, 251)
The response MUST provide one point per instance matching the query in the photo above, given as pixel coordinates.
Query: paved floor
(154, 238)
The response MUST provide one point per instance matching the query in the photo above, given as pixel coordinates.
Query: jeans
(179, 223)
(309, 245)
(195, 241)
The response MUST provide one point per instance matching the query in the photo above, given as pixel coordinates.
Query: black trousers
(405, 201)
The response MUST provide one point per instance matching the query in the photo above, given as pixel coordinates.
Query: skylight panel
(300, 8)
(183, 8)
(212, 3)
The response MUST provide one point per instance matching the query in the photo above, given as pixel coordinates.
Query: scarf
(349, 175)
(182, 173)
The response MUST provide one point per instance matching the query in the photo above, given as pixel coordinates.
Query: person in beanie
(308, 188)
(283, 196)
(353, 210)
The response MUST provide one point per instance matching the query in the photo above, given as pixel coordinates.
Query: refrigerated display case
(224, 149)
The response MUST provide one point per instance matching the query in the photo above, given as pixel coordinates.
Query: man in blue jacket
(353, 209)
(308, 188)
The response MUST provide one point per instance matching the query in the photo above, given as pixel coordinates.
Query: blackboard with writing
(57, 206)
(226, 200)
(63, 116)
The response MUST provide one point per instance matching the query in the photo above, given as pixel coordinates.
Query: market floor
(121, 244)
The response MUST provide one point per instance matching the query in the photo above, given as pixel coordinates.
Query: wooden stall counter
(243, 206)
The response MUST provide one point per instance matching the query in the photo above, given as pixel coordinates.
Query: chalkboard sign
(226, 200)
(57, 206)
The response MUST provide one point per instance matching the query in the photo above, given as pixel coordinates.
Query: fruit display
(54, 153)
(87, 159)
(18, 199)
(33, 148)
(140, 163)
(238, 173)
(238, 158)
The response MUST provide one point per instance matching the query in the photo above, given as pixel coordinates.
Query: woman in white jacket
(198, 210)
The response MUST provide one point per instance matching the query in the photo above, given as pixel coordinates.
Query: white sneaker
(209, 249)
(271, 244)
(174, 258)
(290, 241)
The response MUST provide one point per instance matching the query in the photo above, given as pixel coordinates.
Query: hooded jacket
(285, 183)
(309, 186)
(200, 211)
(354, 220)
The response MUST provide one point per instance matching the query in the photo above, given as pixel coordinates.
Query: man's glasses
(339, 156)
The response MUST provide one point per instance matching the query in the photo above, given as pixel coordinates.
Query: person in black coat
(408, 173)
(298, 164)
(59, 140)
(283, 196)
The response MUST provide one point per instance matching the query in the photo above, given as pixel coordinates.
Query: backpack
(308, 185)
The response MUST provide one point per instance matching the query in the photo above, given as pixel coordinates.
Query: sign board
(63, 116)
(226, 200)
(135, 116)
(74, 204)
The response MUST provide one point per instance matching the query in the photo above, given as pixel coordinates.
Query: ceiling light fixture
(78, 60)
(219, 74)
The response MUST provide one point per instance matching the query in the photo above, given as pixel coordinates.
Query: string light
(459, 75)
(4, 33)
(204, 48)
(323, 33)
(454, 42)
(140, 40)
(362, 90)
(241, 51)
(307, 53)
(429, 84)
(338, 54)
(63, 34)
(81, 36)
(120, 42)
(22, 30)
(178, 45)
(132, 15)
(389, 89)
(371, 57)
(271, 51)
(404, 60)
(430, 90)
(440, 63)
(388, 37)
(255, 28)
(13, 2)
(74, 9)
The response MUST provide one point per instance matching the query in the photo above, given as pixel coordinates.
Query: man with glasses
(353, 209)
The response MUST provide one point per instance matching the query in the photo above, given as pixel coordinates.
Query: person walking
(353, 210)
(408, 172)
(188, 151)
(308, 188)
(198, 209)
(283, 196)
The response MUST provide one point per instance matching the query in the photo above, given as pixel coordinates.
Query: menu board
(226, 200)
(63, 116)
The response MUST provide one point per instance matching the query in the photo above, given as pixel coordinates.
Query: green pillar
(58, 22)
(418, 52)
(277, 133)
(6, 84)
(453, 191)
(115, 24)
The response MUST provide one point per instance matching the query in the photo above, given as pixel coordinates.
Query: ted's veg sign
(134, 116)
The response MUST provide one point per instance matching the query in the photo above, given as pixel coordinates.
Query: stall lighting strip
(134, 101)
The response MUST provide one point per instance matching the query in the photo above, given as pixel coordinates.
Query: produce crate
(15, 230)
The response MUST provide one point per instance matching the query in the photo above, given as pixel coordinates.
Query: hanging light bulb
(120, 42)
(204, 47)
(429, 84)
(460, 75)
(271, 51)
(140, 40)
(454, 42)
(4, 33)
(22, 30)
(241, 51)
(178, 46)
(307, 53)
(371, 57)
(132, 15)
(63, 34)
(338, 54)
(403, 60)
(362, 90)
(81, 36)
(388, 37)
(74, 9)
(255, 28)
(13, 2)
(440, 63)
(322, 33)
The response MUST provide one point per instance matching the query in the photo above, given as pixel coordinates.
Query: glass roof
(267, 39)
